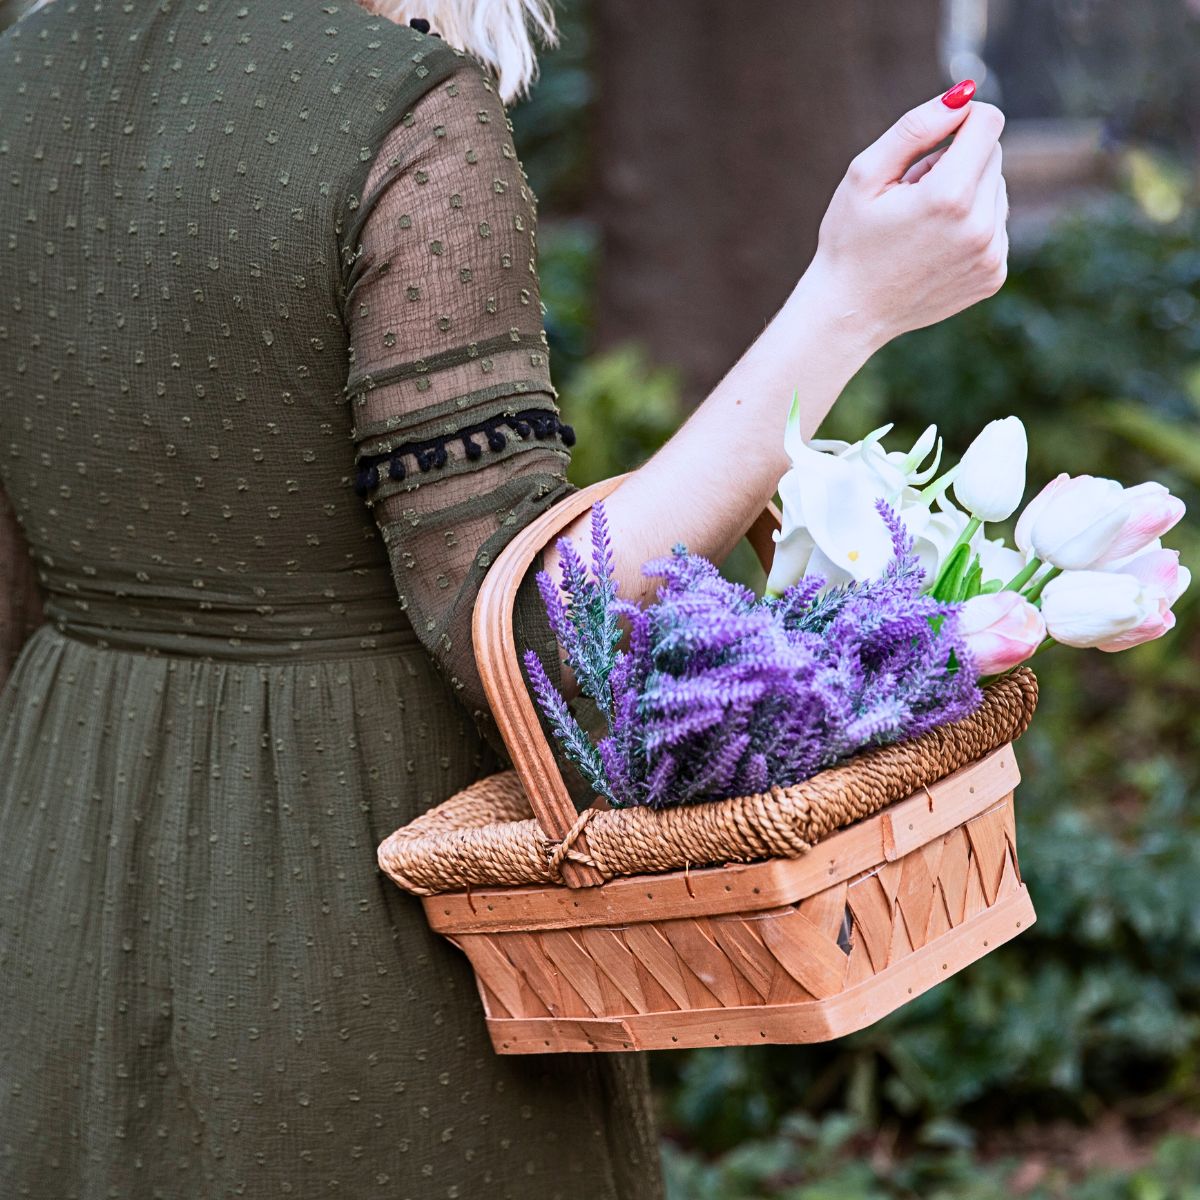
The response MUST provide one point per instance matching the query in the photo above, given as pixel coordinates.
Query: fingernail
(959, 94)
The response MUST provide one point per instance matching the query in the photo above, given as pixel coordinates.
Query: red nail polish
(959, 94)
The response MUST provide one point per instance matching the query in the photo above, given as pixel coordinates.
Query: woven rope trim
(485, 835)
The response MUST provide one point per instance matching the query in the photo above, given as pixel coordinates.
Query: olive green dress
(274, 393)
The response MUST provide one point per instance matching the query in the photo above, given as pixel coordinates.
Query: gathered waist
(244, 618)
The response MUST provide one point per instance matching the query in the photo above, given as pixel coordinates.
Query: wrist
(824, 298)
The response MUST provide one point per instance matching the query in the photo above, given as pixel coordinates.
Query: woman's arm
(901, 246)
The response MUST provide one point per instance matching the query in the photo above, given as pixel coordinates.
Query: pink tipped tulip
(1002, 629)
(1113, 610)
(1158, 619)
(1084, 523)
(1156, 568)
(1163, 581)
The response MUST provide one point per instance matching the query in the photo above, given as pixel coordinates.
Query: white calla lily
(817, 539)
(831, 525)
(867, 456)
(910, 463)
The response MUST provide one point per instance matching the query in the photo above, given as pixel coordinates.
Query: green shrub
(841, 1158)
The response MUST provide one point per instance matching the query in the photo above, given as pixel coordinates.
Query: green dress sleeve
(458, 435)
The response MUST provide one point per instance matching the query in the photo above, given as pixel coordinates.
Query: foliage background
(1065, 1063)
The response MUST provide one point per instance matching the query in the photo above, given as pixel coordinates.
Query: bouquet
(886, 606)
(1088, 570)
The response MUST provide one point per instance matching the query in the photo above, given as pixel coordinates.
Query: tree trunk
(721, 132)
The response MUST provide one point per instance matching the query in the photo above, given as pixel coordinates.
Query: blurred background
(683, 155)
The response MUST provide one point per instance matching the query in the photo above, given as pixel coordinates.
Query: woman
(256, 254)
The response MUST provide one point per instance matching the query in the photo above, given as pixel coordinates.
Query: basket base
(793, 1023)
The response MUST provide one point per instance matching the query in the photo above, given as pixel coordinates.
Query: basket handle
(495, 646)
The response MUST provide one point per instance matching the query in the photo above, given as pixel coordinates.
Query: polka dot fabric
(458, 437)
(274, 393)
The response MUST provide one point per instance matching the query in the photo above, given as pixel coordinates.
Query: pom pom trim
(431, 453)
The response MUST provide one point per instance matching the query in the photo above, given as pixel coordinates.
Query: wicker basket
(799, 915)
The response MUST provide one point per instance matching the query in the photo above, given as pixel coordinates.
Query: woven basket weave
(834, 902)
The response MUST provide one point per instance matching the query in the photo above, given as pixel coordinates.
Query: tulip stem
(1035, 592)
(1018, 581)
(970, 530)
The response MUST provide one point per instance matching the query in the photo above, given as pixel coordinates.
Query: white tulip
(1087, 522)
(1090, 608)
(991, 476)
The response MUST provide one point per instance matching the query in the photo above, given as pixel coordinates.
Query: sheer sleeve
(20, 597)
(458, 436)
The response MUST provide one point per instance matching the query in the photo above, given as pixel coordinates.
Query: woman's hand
(909, 240)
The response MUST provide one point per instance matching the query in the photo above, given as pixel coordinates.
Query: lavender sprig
(721, 693)
(569, 732)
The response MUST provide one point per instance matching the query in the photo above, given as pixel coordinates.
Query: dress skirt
(209, 987)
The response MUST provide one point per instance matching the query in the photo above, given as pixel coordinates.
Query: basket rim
(849, 853)
(486, 836)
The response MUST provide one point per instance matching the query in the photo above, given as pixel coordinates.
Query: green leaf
(973, 583)
(951, 577)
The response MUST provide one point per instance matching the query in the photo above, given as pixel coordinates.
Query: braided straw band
(485, 834)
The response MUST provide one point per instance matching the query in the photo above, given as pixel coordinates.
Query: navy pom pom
(433, 453)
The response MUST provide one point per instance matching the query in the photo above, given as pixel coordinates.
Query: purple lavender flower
(568, 731)
(721, 693)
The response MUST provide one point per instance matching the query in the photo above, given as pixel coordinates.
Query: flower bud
(1084, 523)
(1097, 608)
(1001, 629)
(991, 476)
